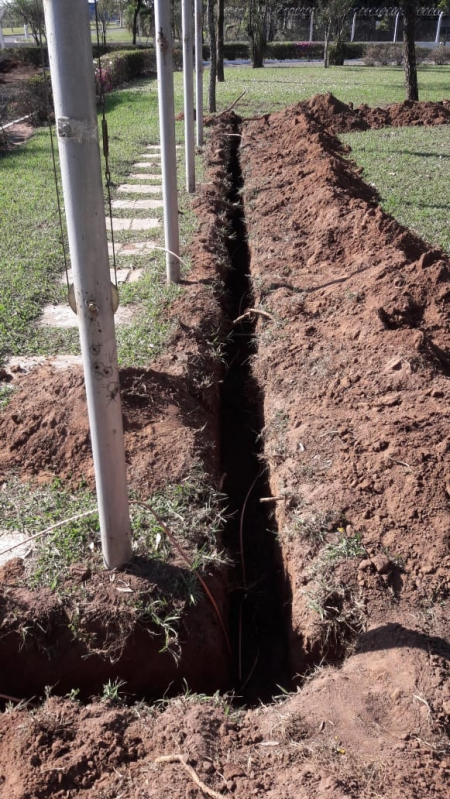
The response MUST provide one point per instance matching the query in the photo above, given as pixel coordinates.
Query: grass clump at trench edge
(192, 510)
(410, 168)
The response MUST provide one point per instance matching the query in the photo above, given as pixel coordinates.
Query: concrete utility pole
(68, 33)
(164, 64)
(188, 85)
(198, 13)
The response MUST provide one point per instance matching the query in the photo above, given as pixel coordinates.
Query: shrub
(28, 54)
(439, 55)
(290, 50)
(35, 97)
(231, 50)
(122, 66)
(390, 54)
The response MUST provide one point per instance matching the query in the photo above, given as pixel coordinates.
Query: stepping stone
(122, 275)
(12, 539)
(140, 176)
(137, 205)
(135, 188)
(135, 224)
(26, 363)
(150, 155)
(134, 248)
(63, 316)
(134, 275)
(158, 146)
(147, 165)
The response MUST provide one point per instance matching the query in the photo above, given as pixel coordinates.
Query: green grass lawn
(273, 88)
(410, 167)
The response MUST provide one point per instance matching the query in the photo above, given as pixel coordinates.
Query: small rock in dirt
(394, 365)
(364, 565)
(231, 771)
(382, 563)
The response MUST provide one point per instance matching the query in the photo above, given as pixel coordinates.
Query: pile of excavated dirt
(352, 359)
(338, 117)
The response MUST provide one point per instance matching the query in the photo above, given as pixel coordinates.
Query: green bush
(35, 97)
(389, 53)
(439, 55)
(290, 50)
(231, 50)
(121, 67)
(28, 54)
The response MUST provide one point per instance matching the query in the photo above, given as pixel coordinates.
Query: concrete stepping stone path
(137, 205)
(134, 224)
(137, 188)
(133, 248)
(63, 316)
(141, 176)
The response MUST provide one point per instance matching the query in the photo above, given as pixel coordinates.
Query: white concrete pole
(25, 32)
(438, 29)
(188, 85)
(68, 32)
(396, 26)
(311, 26)
(164, 64)
(352, 36)
(198, 13)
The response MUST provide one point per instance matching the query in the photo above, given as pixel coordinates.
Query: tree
(133, 10)
(333, 15)
(212, 57)
(105, 9)
(32, 14)
(409, 48)
(258, 18)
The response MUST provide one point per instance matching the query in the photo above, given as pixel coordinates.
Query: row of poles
(71, 70)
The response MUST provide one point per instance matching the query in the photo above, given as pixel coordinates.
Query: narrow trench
(257, 624)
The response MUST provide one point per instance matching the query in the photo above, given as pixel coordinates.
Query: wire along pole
(198, 13)
(188, 86)
(164, 65)
(72, 74)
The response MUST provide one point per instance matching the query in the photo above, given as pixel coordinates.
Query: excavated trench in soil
(256, 617)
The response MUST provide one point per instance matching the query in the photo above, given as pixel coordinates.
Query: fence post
(188, 85)
(68, 32)
(164, 64)
(198, 12)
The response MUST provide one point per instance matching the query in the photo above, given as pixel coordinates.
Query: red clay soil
(354, 368)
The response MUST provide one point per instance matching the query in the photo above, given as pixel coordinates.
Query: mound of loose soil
(45, 431)
(338, 117)
(352, 361)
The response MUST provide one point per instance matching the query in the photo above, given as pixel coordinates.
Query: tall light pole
(72, 75)
(164, 65)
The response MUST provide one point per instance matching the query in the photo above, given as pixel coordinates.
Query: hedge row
(392, 54)
(285, 50)
(122, 66)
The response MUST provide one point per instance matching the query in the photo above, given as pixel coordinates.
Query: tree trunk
(409, 50)
(212, 58)
(326, 47)
(220, 27)
(135, 19)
